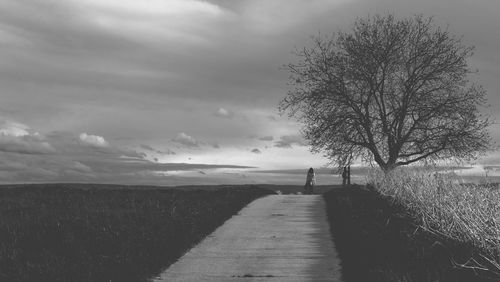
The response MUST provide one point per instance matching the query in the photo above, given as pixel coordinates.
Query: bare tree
(394, 91)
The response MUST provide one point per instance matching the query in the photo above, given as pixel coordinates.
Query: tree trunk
(348, 176)
(387, 168)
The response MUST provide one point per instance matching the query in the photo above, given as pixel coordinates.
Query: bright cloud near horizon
(130, 91)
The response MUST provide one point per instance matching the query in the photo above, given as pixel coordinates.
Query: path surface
(275, 238)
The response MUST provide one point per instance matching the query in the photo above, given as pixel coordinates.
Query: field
(407, 227)
(381, 240)
(106, 233)
(468, 213)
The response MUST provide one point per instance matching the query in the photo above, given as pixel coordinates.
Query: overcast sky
(121, 90)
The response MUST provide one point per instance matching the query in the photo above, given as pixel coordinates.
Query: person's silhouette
(310, 181)
(344, 177)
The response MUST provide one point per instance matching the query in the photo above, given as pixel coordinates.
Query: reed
(465, 213)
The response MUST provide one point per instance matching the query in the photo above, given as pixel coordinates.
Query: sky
(180, 91)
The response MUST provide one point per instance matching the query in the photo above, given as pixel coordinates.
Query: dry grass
(465, 213)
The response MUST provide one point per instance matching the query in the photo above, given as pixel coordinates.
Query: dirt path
(275, 238)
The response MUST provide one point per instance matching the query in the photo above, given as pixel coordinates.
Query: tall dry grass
(468, 213)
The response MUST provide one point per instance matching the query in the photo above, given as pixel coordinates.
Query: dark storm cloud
(87, 53)
(84, 44)
(229, 51)
(105, 46)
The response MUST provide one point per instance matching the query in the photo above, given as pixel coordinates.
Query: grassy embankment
(106, 233)
(417, 227)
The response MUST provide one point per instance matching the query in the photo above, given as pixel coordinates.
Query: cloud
(287, 141)
(186, 140)
(78, 166)
(156, 7)
(223, 113)
(81, 158)
(13, 129)
(152, 21)
(71, 65)
(161, 152)
(91, 59)
(117, 166)
(80, 146)
(256, 151)
(19, 138)
(266, 138)
(8, 164)
(25, 145)
(147, 147)
(166, 152)
(278, 16)
(93, 140)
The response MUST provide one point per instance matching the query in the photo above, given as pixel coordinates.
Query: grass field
(83, 232)
(468, 213)
(380, 239)
(106, 233)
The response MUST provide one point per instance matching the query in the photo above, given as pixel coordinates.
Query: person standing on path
(310, 181)
(344, 177)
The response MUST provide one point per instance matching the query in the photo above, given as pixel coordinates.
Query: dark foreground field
(378, 240)
(86, 232)
(106, 233)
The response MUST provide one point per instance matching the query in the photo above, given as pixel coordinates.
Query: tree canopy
(393, 91)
